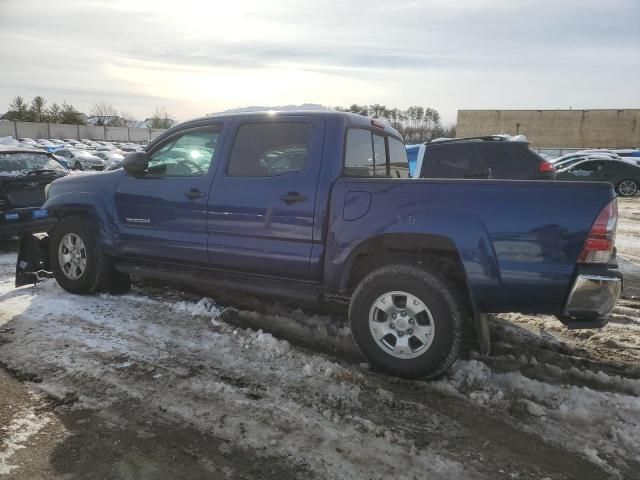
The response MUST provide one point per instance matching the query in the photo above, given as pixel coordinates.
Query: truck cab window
(358, 161)
(380, 156)
(398, 160)
(270, 149)
(369, 154)
(187, 155)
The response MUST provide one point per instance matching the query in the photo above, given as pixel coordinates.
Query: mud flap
(484, 336)
(33, 259)
(117, 282)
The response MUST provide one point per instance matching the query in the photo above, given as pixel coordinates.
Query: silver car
(81, 159)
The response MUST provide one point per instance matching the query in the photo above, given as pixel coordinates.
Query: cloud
(468, 53)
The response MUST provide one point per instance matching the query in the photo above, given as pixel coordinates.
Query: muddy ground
(163, 384)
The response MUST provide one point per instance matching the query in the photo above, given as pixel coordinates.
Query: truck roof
(353, 119)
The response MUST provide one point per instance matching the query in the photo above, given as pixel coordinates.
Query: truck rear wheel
(75, 259)
(407, 321)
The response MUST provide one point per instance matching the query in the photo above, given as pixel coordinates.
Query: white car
(81, 159)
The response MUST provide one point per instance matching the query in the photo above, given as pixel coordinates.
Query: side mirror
(136, 163)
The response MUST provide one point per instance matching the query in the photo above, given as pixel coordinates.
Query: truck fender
(464, 231)
(86, 204)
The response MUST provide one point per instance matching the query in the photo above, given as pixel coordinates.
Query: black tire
(630, 188)
(93, 278)
(78, 166)
(436, 294)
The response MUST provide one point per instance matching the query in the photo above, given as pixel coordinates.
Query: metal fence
(62, 131)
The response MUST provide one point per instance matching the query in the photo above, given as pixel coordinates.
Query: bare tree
(127, 119)
(106, 114)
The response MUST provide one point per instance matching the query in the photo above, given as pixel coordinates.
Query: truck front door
(162, 213)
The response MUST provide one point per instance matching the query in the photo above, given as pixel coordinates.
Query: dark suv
(24, 175)
(494, 156)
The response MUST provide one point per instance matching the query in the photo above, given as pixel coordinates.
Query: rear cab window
(370, 154)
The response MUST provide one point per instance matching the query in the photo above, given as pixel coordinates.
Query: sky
(198, 57)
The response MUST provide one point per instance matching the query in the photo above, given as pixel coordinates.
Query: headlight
(46, 191)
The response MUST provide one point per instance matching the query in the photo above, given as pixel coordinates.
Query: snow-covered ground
(549, 403)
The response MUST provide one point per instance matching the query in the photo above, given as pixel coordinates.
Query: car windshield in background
(18, 164)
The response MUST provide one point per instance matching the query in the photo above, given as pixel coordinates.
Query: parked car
(306, 205)
(112, 160)
(81, 159)
(628, 152)
(625, 175)
(24, 175)
(493, 156)
(568, 160)
(61, 160)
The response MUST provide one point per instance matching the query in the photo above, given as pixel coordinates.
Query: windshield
(18, 164)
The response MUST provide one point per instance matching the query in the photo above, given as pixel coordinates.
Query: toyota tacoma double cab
(317, 205)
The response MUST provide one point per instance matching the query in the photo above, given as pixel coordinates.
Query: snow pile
(206, 307)
(598, 424)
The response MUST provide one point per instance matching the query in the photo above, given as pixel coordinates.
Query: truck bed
(518, 240)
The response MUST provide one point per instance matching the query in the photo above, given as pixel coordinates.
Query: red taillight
(599, 245)
(545, 167)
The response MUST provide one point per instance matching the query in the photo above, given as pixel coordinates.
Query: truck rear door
(261, 207)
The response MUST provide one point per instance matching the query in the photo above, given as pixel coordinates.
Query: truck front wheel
(75, 259)
(407, 321)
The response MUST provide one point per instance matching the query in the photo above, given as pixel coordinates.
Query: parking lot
(165, 382)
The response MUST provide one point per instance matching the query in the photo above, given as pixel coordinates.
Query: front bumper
(22, 220)
(593, 296)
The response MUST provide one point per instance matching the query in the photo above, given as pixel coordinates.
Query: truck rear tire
(407, 321)
(74, 256)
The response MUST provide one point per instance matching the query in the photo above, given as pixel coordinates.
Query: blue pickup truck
(317, 205)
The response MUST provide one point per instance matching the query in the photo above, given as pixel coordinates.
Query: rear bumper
(593, 296)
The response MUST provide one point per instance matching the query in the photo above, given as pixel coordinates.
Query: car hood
(87, 182)
(20, 177)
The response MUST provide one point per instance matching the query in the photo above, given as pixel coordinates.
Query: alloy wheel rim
(628, 187)
(401, 324)
(72, 256)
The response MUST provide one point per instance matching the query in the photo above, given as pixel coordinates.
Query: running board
(207, 278)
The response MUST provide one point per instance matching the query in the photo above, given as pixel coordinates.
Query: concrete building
(600, 128)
